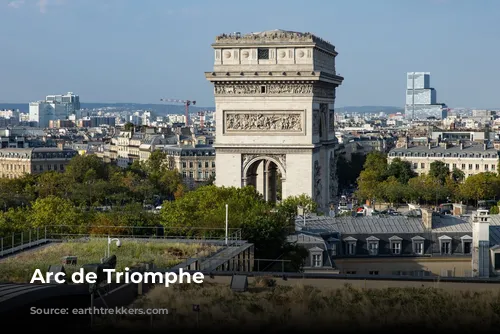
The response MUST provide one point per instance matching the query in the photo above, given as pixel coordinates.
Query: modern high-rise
(421, 98)
(69, 100)
(54, 107)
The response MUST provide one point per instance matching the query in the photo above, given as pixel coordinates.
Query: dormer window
(418, 245)
(445, 245)
(395, 242)
(350, 244)
(372, 244)
(316, 257)
(466, 244)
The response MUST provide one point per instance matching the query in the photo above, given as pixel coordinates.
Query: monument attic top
(276, 36)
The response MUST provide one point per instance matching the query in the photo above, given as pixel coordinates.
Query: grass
(304, 307)
(20, 268)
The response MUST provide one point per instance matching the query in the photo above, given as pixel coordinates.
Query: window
(191, 174)
(334, 249)
(492, 167)
(419, 248)
(184, 164)
(190, 164)
(470, 166)
(61, 167)
(422, 165)
(206, 164)
(213, 164)
(200, 164)
(447, 165)
(396, 247)
(373, 247)
(263, 53)
(351, 248)
(477, 166)
(445, 247)
(454, 165)
(263, 89)
(316, 260)
(415, 165)
(350, 272)
(463, 166)
(207, 175)
(184, 174)
(373, 272)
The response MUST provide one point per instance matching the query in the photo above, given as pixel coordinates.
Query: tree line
(76, 197)
(396, 183)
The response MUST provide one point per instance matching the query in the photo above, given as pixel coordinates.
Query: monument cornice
(262, 150)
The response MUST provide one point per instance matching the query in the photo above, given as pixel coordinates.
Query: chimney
(485, 146)
(427, 218)
(429, 145)
(60, 145)
(481, 243)
(461, 145)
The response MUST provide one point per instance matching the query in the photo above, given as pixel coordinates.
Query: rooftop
(277, 36)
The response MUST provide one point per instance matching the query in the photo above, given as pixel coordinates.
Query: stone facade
(275, 94)
(16, 162)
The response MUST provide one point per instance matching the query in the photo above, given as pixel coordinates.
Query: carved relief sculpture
(333, 187)
(271, 89)
(331, 121)
(281, 122)
(318, 187)
(316, 122)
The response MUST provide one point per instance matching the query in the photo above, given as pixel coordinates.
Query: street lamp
(116, 240)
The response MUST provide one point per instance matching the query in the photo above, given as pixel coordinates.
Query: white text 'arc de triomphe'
(274, 96)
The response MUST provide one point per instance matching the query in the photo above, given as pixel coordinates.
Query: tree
(368, 183)
(457, 175)
(401, 170)
(53, 210)
(204, 208)
(290, 204)
(482, 186)
(422, 189)
(439, 171)
(79, 168)
(129, 126)
(393, 191)
(377, 163)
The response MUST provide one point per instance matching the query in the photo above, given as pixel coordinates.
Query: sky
(143, 50)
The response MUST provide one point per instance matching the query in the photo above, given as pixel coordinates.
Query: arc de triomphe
(274, 95)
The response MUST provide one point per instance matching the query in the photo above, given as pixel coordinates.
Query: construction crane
(187, 103)
(202, 115)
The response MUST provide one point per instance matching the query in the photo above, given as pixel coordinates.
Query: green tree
(53, 210)
(393, 191)
(457, 175)
(422, 189)
(129, 126)
(401, 170)
(439, 171)
(482, 186)
(377, 163)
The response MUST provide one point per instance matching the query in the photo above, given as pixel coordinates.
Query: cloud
(16, 3)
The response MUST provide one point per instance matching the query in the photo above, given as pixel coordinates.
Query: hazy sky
(143, 50)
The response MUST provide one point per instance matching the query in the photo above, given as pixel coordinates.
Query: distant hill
(157, 109)
(370, 109)
(161, 109)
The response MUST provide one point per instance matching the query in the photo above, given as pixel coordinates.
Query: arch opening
(266, 176)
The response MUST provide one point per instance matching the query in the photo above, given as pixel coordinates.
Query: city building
(470, 158)
(15, 162)
(421, 243)
(275, 95)
(69, 100)
(53, 108)
(421, 98)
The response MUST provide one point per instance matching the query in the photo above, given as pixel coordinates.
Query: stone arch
(266, 158)
(262, 173)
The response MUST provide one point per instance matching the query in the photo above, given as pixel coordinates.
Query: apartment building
(422, 243)
(15, 162)
(470, 158)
